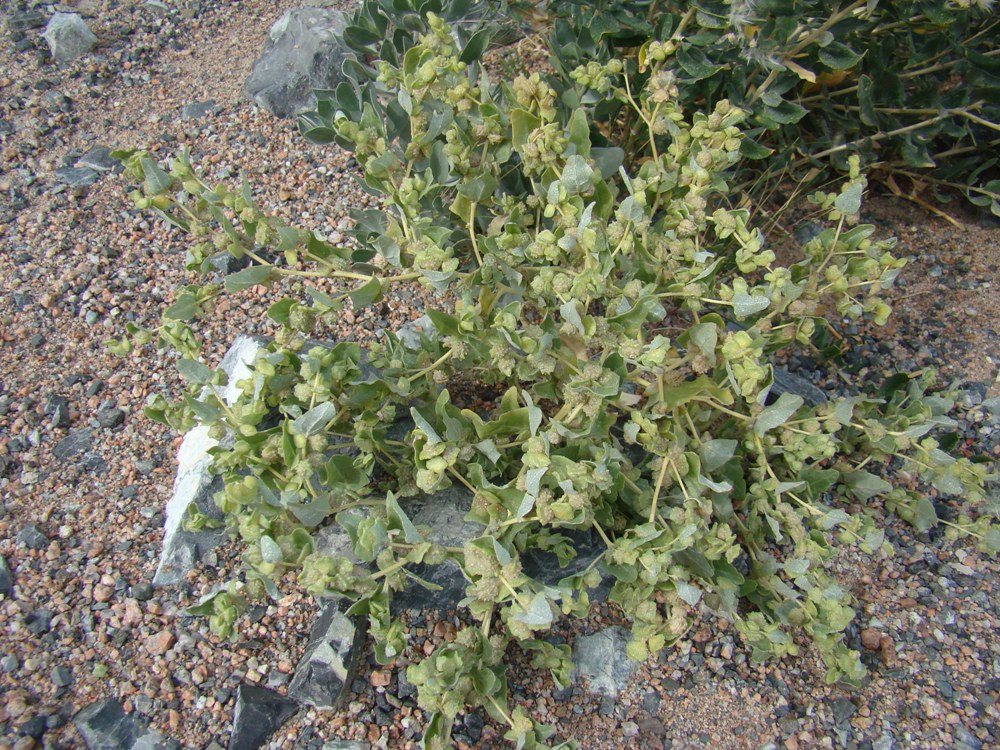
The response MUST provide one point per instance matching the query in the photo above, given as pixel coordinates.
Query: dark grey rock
(39, 621)
(106, 726)
(32, 537)
(607, 707)
(301, 54)
(99, 159)
(77, 177)
(346, 745)
(405, 690)
(843, 710)
(328, 666)
(61, 677)
(602, 660)
(6, 577)
(34, 727)
(442, 516)
(110, 417)
(68, 36)
(789, 382)
(26, 19)
(258, 714)
(153, 740)
(543, 565)
(199, 110)
(57, 101)
(9, 663)
(73, 444)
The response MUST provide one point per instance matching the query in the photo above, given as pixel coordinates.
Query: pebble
(160, 643)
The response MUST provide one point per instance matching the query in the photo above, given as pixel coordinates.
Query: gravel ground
(84, 477)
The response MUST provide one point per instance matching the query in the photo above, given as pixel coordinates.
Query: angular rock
(199, 110)
(194, 484)
(75, 443)
(26, 19)
(99, 159)
(789, 382)
(106, 726)
(153, 740)
(301, 54)
(444, 514)
(6, 577)
(258, 714)
(324, 674)
(32, 537)
(76, 177)
(409, 333)
(110, 417)
(601, 658)
(68, 36)
(346, 745)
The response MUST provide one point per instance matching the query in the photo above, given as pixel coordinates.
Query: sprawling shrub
(616, 320)
(911, 87)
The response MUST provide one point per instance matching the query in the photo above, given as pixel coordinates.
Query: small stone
(99, 159)
(106, 726)
(199, 110)
(9, 663)
(6, 578)
(103, 593)
(630, 728)
(159, 643)
(39, 621)
(73, 444)
(76, 177)
(61, 677)
(607, 706)
(32, 537)
(34, 727)
(871, 639)
(142, 592)
(68, 36)
(110, 417)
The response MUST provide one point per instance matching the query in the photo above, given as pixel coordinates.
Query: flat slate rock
(106, 726)
(258, 714)
(324, 675)
(99, 159)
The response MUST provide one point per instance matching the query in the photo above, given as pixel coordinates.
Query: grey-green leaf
(314, 420)
(777, 413)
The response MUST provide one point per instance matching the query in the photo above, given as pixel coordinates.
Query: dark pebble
(32, 537)
(111, 417)
(143, 592)
(61, 677)
(34, 727)
(39, 621)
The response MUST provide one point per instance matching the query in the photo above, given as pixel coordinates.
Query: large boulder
(301, 54)
(68, 37)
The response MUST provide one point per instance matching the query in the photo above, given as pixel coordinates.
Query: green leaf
(185, 308)
(838, 56)
(849, 200)
(866, 102)
(777, 413)
(367, 293)
(716, 453)
(745, 305)
(579, 133)
(476, 46)
(753, 150)
(865, 485)
(156, 182)
(248, 277)
(608, 160)
(270, 552)
(522, 123)
(197, 373)
(314, 420)
(278, 312)
(396, 514)
(696, 63)
(577, 176)
(479, 189)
